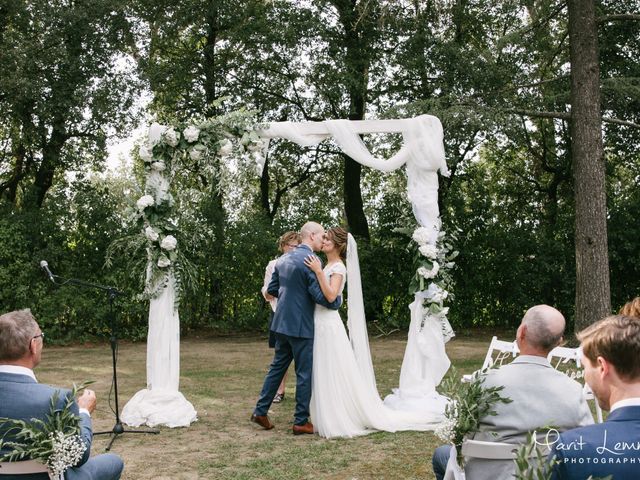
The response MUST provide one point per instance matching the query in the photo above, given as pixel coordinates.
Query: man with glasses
(23, 398)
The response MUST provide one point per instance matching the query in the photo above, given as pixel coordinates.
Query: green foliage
(72, 72)
(39, 439)
(531, 461)
(469, 403)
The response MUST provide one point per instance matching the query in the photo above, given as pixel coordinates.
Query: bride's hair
(338, 236)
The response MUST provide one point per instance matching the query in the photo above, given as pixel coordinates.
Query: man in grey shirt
(541, 396)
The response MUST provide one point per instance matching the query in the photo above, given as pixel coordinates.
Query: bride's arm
(329, 288)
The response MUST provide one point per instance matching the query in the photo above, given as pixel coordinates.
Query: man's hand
(87, 400)
(268, 297)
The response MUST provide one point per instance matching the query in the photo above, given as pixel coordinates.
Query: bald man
(297, 289)
(541, 396)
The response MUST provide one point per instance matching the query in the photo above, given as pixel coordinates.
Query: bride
(345, 400)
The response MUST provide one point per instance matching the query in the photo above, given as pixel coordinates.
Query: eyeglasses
(41, 335)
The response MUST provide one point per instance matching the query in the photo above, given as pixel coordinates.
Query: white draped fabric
(425, 361)
(424, 365)
(356, 321)
(161, 403)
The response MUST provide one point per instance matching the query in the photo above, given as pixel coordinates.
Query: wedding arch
(165, 151)
(425, 361)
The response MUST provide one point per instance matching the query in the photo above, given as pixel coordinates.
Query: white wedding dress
(344, 400)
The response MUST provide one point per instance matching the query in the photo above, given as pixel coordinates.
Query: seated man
(541, 396)
(610, 356)
(23, 398)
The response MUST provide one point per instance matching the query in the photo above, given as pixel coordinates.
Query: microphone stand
(112, 293)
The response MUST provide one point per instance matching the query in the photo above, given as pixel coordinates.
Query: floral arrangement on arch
(168, 149)
(432, 280)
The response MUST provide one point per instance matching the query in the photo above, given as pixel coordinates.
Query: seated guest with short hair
(611, 360)
(541, 396)
(23, 398)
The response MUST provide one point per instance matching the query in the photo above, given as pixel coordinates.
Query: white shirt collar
(17, 370)
(627, 402)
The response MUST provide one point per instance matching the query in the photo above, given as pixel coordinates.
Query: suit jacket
(542, 397)
(22, 398)
(609, 448)
(298, 290)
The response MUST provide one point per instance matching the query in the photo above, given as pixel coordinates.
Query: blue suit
(22, 398)
(297, 289)
(609, 448)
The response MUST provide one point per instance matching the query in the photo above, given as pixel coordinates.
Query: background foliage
(78, 73)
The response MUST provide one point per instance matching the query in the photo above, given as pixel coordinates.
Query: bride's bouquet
(55, 441)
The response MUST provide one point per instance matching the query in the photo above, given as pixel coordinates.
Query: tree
(593, 296)
(62, 92)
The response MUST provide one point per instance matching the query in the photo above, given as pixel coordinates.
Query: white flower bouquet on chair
(469, 403)
(55, 442)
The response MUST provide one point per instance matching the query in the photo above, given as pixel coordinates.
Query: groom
(297, 289)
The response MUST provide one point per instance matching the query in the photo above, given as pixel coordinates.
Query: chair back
(499, 351)
(569, 361)
(22, 467)
(502, 351)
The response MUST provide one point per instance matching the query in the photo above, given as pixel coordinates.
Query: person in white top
(286, 243)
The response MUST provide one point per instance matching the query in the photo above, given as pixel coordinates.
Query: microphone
(45, 266)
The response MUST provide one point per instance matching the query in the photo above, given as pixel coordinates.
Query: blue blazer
(298, 290)
(609, 448)
(22, 398)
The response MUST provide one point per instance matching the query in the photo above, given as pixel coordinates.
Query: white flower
(144, 202)
(226, 147)
(195, 154)
(421, 235)
(145, 154)
(171, 137)
(445, 430)
(163, 261)
(169, 243)
(429, 251)
(151, 234)
(426, 273)
(435, 294)
(155, 133)
(158, 166)
(67, 452)
(191, 134)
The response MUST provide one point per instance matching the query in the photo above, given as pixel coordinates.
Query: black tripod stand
(112, 293)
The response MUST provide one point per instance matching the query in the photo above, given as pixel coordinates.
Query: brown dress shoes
(263, 421)
(302, 429)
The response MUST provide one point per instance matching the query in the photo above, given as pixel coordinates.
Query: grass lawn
(222, 378)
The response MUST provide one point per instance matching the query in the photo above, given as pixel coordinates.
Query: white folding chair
(502, 351)
(22, 467)
(489, 450)
(453, 471)
(562, 359)
(479, 449)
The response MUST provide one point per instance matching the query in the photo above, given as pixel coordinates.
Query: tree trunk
(357, 62)
(216, 216)
(593, 298)
(264, 191)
